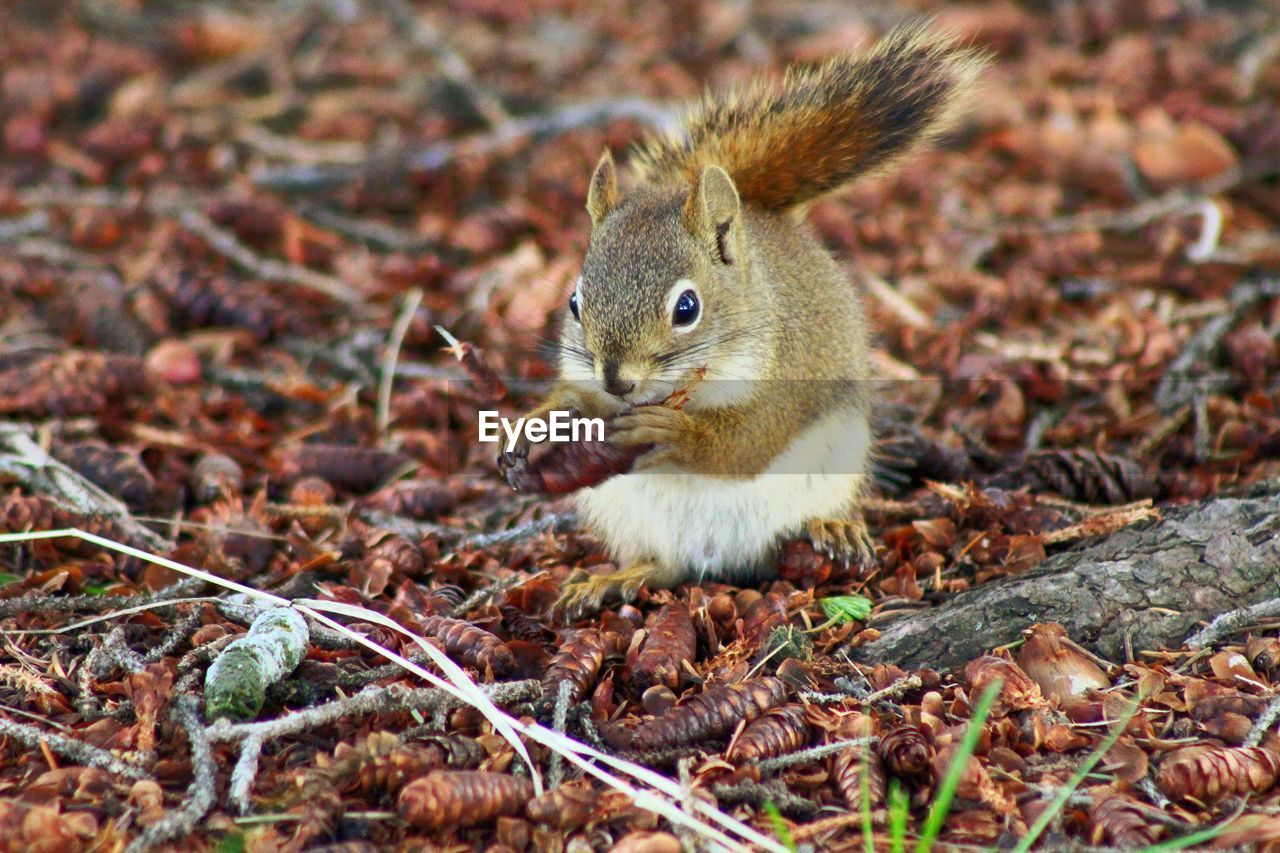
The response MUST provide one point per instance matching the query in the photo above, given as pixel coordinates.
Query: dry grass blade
(155, 559)
(254, 300)
(107, 617)
(392, 358)
(459, 684)
(573, 751)
(466, 690)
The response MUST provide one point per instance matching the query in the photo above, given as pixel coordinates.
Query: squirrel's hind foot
(585, 594)
(844, 539)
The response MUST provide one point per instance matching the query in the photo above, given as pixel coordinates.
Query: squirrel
(708, 268)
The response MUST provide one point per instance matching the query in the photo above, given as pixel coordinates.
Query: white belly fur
(724, 527)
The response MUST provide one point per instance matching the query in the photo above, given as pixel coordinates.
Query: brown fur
(786, 146)
(781, 326)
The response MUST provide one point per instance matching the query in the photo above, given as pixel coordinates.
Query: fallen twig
(393, 697)
(894, 690)
(363, 678)
(189, 669)
(78, 751)
(1186, 379)
(186, 210)
(243, 774)
(371, 700)
(229, 246)
(559, 522)
(1206, 245)
(1233, 622)
(1103, 524)
(759, 793)
(370, 232)
(821, 827)
(1263, 723)
(449, 63)
(319, 178)
(21, 226)
(559, 716)
(200, 793)
(1168, 426)
(113, 652)
(176, 636)
(108, 607)
(29, 464)
(804, 756)
(1173, 201)
(408, 527)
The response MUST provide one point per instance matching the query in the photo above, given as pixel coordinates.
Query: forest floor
(227, 236)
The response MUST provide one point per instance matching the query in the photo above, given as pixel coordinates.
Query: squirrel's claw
(584, 594)
(511, 462)
(846, 540)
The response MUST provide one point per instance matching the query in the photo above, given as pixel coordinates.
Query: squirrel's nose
(615, 385)
(618, 387)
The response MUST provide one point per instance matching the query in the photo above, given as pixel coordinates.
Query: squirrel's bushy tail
(787, 145)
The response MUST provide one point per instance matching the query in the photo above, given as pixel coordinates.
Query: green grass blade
(947, 790)
(846, 608)
(1065, 792)
(780, 828)
(898, 804)
(868, 833)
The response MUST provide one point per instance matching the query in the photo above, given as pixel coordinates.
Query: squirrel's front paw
(843, 539)
(585, 594)
(673, 434)
(512, 462)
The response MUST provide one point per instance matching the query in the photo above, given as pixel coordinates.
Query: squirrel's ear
(602, 195)
(717, 212)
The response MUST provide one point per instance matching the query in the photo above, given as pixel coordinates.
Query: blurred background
(229, 232)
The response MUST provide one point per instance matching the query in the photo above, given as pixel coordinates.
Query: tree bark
(1146, 587)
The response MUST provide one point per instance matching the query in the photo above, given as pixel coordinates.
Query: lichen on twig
(236, 684)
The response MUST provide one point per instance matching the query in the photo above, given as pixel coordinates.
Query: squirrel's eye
(573, 305)
(686, 309)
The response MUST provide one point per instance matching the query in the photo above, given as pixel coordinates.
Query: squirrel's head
(665, 290)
